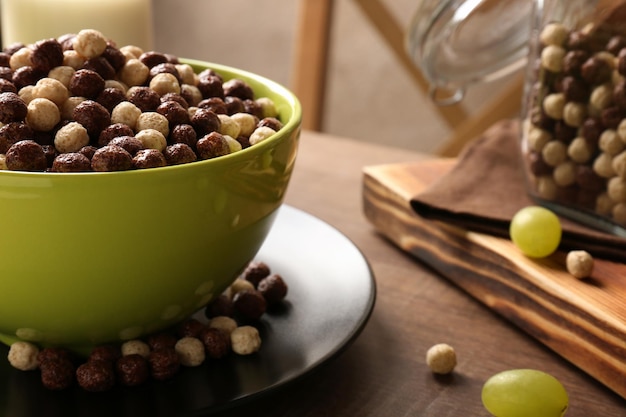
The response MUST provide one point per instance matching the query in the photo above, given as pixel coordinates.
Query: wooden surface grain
(383, 373)
(582, 320)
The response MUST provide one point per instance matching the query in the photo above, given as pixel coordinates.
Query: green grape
(524, 393)
(536, 231)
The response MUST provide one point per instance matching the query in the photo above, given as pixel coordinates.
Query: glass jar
(573, 118)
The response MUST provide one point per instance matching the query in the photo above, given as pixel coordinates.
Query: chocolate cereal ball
(131, 144)
(71, 162)
(26, 155)
(111, 158)
(212, 145)
(132, 370)
(113, 131)
(86, 83)
(95, 376)
(149, 158)
(12, 108)
(273, 288)
(57, 374)
(216, 343)
(164, 364)
(179, 153)
(256, 271)
(93, 116)
(14, 132)
(46, 54)
(249, 304)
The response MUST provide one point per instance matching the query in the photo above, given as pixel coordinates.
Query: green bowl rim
(292, 124)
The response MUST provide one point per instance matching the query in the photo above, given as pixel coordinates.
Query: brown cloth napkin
(486, 188)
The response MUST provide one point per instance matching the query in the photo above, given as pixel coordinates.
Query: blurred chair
(311, 63)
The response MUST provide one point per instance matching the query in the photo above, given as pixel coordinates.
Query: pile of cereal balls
(79, 103)
(229, 327)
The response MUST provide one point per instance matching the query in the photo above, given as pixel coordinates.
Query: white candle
(127, 22)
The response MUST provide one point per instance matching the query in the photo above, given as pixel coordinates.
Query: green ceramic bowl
(91, 258)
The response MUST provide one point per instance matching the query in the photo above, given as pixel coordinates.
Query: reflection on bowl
(90, 258)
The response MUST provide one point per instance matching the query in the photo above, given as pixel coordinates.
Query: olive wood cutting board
(584, 321)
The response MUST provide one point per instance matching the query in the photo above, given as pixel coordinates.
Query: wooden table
(383, 373)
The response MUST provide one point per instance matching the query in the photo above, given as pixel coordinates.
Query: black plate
(331, 295)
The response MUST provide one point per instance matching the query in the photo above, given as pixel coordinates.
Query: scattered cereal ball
(579, 263)
(190, 328)
(273, 288)
(441, 358)
(222, 305)
(245, 340)
(106, 353)
(223, 323)
(57, 374)
(249, 304)
(135, 347)
(132, 369)
(23, 356)
(190, 351)
(217, 343)
(164, 364)
(162, 340)
(95, 376)
(238, 285)
(255, 272)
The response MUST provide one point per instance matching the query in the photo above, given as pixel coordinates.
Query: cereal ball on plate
(132, 369)
(190, 351)
(245, 340)
(23, 356)
(135, 347)
(95, 376)
(579, 263)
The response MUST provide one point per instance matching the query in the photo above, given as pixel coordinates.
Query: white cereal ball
(224, 323)
(441, 358)
(164, 83)
(260, 134)
(554, 105)
(618, 163)
(3, 162)
(233, 144)
(554, 34)
(579, 263)
(616, 189)
(554, 152)
(190, 351)
(43, 115)
(618, 212)
(152, 139)
(71, 138)
(67, 108)
(89, 43)
(135, 347)
(21, 58)
(537, 138)
(247, 123)
(579, 150)
(240, 284)
(186, 73)
(552, 58)
(153, 120)
(610, 142)
(245, 340)
(52, 89)
(603, 165)
(63, 74)
(126, 113)
(268, 108)
(228, 126)
(23, 356)
(72, 59)
(134, 72)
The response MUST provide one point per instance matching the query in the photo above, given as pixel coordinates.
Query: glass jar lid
(460, 42)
